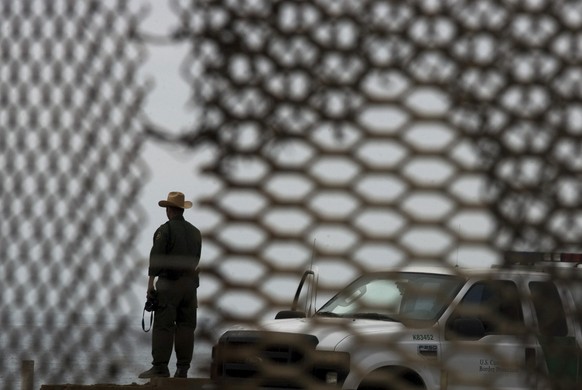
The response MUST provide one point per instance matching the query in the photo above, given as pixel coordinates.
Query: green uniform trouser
(175, 321)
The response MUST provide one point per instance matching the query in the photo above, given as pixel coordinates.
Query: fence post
(27, 375)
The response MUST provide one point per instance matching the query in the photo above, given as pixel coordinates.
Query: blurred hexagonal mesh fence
(349, 135)
(71, 172)
(372, 133)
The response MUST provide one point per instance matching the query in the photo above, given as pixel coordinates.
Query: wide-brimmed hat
(175, 199)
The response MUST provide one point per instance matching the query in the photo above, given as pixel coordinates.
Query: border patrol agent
(174, 259)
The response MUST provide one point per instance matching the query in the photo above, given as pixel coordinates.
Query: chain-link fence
(352, 135)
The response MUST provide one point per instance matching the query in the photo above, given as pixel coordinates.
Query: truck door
(560, 351)
(485, 342)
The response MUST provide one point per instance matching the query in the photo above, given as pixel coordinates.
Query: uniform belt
(175, 275)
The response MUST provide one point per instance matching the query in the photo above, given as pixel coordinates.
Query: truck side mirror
(284, 314)
(469, 328)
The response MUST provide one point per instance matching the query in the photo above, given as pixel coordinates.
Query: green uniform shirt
(176, 249)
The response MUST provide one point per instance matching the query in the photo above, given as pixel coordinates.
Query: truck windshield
(399, 296)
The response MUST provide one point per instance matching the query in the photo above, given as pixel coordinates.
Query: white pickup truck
(418, 327)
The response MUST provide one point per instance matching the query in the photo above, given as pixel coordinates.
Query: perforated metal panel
(71, 171)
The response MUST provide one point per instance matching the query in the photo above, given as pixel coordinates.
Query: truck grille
(272, 358)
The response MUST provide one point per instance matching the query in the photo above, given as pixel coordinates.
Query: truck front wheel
(392, 378)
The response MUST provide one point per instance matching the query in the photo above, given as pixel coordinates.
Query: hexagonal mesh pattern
(385, 131)
(425, 129)
(388, 131)
(70, 175)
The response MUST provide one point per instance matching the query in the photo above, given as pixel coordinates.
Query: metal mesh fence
(352, 135)
(71, 172)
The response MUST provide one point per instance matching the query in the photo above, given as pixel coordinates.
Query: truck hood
(331, 331)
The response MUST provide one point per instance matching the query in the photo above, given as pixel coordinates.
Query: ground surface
(154, 384)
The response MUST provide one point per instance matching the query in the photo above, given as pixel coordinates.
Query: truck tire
(392, 378)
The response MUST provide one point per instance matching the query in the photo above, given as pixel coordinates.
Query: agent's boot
(155, 372)
(181, 372)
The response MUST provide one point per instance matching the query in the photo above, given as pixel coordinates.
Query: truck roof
(539, 268)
